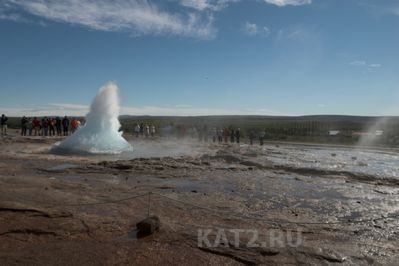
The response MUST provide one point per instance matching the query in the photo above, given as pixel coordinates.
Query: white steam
(101, 133)
(384, 130)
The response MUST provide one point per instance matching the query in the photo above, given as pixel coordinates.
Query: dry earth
(76, 210)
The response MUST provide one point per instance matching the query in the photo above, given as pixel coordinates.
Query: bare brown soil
(79, 210)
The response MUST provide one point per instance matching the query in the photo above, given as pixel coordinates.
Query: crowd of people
(225, 135)
(57, 126)
(49, 126)
(144, 130)
(216, 134)
(221, 135)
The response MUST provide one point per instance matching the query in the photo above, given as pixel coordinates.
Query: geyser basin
(100, 134)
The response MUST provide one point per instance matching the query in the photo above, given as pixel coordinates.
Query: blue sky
(186, 57)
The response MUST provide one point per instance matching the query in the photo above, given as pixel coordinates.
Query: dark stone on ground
(148, 226)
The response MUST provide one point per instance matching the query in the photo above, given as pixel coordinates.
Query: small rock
(122, 166)
(194, 191)
(269, 252)
(148, 226)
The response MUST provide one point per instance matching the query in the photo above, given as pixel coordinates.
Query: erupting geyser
(101, 133)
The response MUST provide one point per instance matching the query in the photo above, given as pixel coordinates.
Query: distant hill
(254, 119)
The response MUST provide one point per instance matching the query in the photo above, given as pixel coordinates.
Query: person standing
(220, 136)
(214, 135)
(65, 125)
(3, 123)
(261, 137)
(153, 131)
(232, 134)
(30, 126)
(142, 130)
(24, 125)
(137, 130)
(52, 124)
(238, 135)
(58, 125)
(251, 137)
(45, 126)
(225, 134)
(74, 125)
(147, 131)
(36, 126)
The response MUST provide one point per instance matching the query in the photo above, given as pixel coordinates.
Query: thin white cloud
(288, 2)
(201, 5)
(193, 18)
(375, 65)
(14, 17)
(382, 8)
(358, 63)
(362, 63)
(297, 33)
(253, 29)
(70, 106)
(135, 16)
(306, 39)
(61, 109)
(250, 28)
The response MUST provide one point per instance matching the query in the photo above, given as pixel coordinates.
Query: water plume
(100, 134)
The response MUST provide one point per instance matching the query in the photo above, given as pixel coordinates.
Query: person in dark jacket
(261, 137)
(232, 134)
(3, 123)
(65, 125)
(238, 135)
(142, 129)
(30, 126)
(58, 125)
(45, 126)
(24, 125)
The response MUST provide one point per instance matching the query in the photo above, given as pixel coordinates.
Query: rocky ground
(77, 210)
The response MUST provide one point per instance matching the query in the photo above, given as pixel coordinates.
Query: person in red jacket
(74, 125)
(36, 126)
